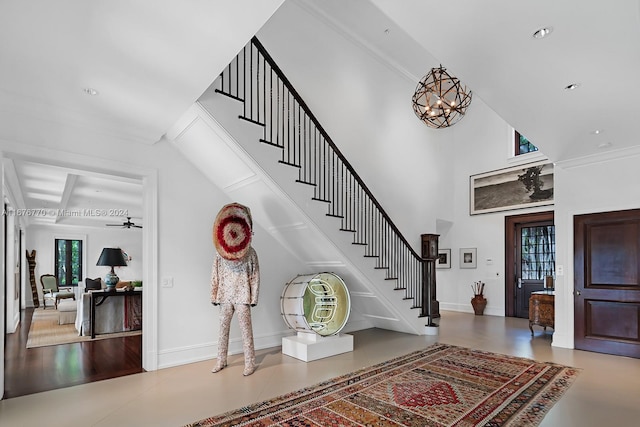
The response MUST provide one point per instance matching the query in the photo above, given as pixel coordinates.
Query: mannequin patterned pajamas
(234, 285)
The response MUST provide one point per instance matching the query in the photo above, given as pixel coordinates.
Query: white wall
(420, 175)
(12, 285)
(481, 143)
(187, 322)
(364, 104)
(187, 204)
(598, 184)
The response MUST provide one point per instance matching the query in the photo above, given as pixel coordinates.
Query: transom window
(523, 145)
(68, 262)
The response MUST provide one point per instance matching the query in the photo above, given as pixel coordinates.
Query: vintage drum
(317, 303)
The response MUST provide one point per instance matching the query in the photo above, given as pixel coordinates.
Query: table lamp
(111, 257)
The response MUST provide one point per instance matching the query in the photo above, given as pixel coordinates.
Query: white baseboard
(466, 308)
(358, 325)
(207, 351)
(562, 340)
(11, 328)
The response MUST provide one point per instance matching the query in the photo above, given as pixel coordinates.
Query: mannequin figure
(235, 280)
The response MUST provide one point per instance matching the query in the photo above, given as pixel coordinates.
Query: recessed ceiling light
(572, 86)
(542, 33)
(386, 31)
(90, 91)
(596, 131)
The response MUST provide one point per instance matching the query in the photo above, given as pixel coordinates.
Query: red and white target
(232, 231)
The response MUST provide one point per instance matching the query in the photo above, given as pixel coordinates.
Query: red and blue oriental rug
(443, 385)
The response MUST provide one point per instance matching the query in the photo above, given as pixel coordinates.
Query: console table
(98, 297)
(541, 309)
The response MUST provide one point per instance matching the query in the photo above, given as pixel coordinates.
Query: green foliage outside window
(68, 262)
(523, 145)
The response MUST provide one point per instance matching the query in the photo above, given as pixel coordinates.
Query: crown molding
(606, 156)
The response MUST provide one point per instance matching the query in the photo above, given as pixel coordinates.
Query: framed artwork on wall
(468, 257)
(444, 258)
(524, 186)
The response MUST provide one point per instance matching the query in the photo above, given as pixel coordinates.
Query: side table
(104, 295)
(542, 309)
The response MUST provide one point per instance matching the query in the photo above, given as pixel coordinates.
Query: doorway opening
(529, 259)
(47, 367)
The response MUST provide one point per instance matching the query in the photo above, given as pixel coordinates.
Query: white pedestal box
(431, 330)
(311, 346)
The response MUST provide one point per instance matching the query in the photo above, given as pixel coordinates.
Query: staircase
(281, 162)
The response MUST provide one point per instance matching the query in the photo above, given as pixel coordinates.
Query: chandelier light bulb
(448, 92)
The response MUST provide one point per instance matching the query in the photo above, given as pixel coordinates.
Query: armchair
(51, 291)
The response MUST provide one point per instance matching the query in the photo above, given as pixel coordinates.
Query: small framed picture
(444, 258)
(468, 258)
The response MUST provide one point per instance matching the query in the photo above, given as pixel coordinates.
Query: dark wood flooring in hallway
(32, 370)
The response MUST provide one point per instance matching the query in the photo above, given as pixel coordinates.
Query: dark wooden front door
(607, 282)
(530, 257)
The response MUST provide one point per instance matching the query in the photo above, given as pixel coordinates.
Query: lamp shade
(112, 257)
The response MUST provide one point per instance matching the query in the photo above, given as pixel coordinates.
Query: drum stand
(308, 346)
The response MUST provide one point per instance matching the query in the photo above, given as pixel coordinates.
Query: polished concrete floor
(607, 392)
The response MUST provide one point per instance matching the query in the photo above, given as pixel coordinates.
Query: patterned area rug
(45, 331)
(443, 385)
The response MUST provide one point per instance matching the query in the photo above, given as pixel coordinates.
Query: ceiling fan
(126, 224)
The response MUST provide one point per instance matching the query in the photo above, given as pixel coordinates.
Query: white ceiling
(489, 45)
(49, 194)
(150, 60)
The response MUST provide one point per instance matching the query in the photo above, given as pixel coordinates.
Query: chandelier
(440, 99)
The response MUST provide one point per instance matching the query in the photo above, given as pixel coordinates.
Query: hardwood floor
(32, 370)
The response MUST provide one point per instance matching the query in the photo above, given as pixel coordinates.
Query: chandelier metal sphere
(440, 99)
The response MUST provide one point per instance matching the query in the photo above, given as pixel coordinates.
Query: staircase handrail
(320, 128)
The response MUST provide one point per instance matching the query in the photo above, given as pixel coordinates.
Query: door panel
(535, 260)
(613, 256)
(607, 285)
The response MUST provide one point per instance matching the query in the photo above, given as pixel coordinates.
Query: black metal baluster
(307, 146)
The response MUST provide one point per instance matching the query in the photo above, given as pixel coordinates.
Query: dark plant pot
(478, 303)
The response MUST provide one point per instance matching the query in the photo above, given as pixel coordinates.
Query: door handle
(577, 293)
(519, 283)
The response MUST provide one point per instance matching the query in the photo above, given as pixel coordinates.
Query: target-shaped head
(232, 231)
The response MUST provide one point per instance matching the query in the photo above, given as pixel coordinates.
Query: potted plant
(478, 302)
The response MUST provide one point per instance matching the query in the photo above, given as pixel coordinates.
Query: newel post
(430, 306)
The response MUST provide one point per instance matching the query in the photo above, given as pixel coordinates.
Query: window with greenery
(538, 252)
(68, 262)
(523, 145)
